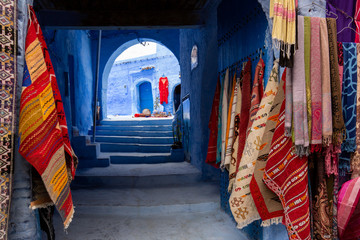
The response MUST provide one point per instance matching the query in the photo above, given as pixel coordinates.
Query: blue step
(130, 147)
(139, 158)
(135, 128)
(133, 133)
(138, 122)
(134, 139)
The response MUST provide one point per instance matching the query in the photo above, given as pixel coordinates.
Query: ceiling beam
(119, 19)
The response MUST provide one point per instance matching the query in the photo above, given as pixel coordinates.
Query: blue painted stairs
(128, 142)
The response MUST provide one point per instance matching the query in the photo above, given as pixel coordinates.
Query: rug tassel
(271, 221)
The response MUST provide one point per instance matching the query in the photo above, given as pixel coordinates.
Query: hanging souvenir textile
(325, 84)
(8, 90)
(213, 127)
(289, 103)
(299, 95)
(257, 92)
(224, 115)
(283, 13)
(345, 11)
(355, 160)
(230, 125)
(164, 90)
(267, 203)
(341, 62)
(286, 174)
(241, 202)
(235, 144)
(307, 59)
(349, 101)
(41, 108)
(244, 119)
(219, 135)
(337, 117)
(321, 204)
(349, 210)
(316, 104)
(357, 21)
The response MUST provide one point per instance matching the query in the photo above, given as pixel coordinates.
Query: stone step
(138, 175)
(134, 147)
(137, 158)
(134, 139)
(135, 128)
(138, 121)
(133, 133)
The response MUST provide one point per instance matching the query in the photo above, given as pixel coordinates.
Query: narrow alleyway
(147, 201)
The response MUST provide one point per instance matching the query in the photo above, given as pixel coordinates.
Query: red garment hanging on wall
(164, 89)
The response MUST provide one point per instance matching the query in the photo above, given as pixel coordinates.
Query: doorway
(145, 97)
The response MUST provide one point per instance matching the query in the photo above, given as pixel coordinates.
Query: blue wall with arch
(126, 75)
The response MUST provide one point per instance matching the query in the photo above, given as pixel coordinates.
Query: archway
(177, 96)
(123, 78)
(145, 96)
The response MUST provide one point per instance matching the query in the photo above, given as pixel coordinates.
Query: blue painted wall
(126, 76)
(61, 44)
(115, 42)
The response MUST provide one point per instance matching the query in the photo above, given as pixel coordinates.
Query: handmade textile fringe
(43, 124)
(283, 13)
(213, 125)
(267, 203)
(8, 92)
(241, 202)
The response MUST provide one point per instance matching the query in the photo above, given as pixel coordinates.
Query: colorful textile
(219, 136)
(336, 106)
(283, 13)
(349, 90)
(257, 92)
(357, 21)
(321, 206)
(213, 127)
(349, 210)
(349, 95)
(289, 103)
(244, 119)
(345, 11)
(8, 91)
(286, 174)
(241, 202)
(307, 59)
(231, 124)
(355, 160)
(325, 84)
(267, 203)
(235, 144)
(224, 115)
(164, 90)
(316, 104)
(299, 96)
(40, 127)
(341, 63)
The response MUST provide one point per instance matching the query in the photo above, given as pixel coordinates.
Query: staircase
(135, 141)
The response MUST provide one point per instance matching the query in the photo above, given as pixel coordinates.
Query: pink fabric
(357, 20)
(315, 67)
(348, 210)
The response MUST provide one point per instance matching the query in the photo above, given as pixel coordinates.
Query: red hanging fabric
(164, 89)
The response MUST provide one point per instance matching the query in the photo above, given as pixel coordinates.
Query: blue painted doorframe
(146, 98)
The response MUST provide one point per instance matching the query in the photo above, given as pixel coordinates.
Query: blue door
(146, 99)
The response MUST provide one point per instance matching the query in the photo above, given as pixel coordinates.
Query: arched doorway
(145, 97)
(131, 82)
(177, 97)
